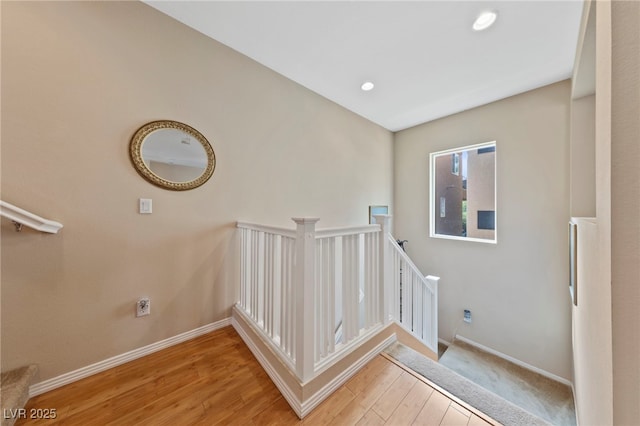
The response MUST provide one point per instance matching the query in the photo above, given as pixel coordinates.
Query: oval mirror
(172, 155)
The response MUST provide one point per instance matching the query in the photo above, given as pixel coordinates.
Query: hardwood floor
(214, 379)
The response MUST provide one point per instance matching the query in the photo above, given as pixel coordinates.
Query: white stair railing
(314, 296)
(414, 297)
(346, 290)
(22, 217)
(267, 293)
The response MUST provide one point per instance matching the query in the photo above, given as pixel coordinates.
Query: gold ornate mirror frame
(142, 135)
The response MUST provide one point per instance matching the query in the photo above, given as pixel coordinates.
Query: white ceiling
(423, 56)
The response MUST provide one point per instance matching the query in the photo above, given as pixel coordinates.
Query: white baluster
(346, 270)
(320, 302)
(354, 286)
(421, 313)
(395, 299)
(377, 282)
(254, 273)
(286, 293)
(260, 281)
(339, 288)
(347, 283)
(331, 296)
(414, 301)
(371, 280)
(277, 288)
(243, 262)
(267, 283)
(272, 279)
(368, 277)
(417, 306)
(327, 337)
(292, 298)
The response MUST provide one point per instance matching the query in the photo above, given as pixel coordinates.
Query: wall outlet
(467, 316)
(143, 307)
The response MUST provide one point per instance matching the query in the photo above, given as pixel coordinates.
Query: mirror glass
(463, 193)
(172, 155)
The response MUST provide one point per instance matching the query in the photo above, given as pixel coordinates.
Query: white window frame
(432, 193)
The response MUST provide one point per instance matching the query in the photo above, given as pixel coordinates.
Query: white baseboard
(302, 408)
(81, 373)
(288, 393)
(514, 361)
(332, 386)
(444, 342)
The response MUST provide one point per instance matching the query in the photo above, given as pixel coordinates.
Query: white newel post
(304, 276)
(385, 266)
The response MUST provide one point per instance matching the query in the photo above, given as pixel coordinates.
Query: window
(463, 193)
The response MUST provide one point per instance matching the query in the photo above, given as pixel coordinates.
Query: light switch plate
(146, 205)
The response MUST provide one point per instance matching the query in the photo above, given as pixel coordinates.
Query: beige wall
(625, 206)
(583, 162)
(78, 79)
(517, 289)
(613, 295)
(592, 326)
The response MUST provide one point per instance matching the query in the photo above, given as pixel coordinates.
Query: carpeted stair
(15, 391)
(489, 403)
(546, 398)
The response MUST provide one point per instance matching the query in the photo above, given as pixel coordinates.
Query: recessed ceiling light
(484, 21)
(367, 85)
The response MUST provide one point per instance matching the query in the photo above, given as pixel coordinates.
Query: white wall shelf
(22, 217)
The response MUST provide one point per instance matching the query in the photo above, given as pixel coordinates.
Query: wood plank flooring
(215, 380)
